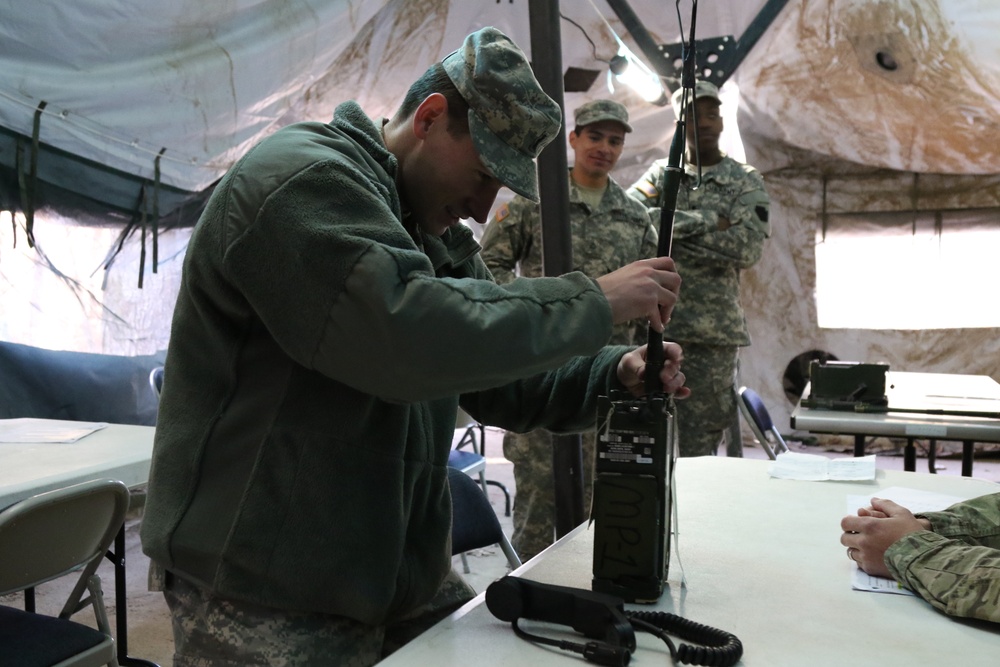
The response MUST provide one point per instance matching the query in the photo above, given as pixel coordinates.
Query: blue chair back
(757, 410)
(760, 423)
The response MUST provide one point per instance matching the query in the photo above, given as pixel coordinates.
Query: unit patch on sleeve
(502, 212)
(647, 189)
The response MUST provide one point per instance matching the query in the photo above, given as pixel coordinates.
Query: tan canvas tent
(874, 122)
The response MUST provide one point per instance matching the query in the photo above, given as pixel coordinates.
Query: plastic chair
(156, 381)
(474, 524)
(43, 538)
(760, 422)
(474, 462)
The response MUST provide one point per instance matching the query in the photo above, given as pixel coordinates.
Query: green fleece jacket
(318, 354)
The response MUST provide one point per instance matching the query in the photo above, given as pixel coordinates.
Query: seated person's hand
(875, 529)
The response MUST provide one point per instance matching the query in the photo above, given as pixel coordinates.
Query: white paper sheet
(815, 467)
(25, 429)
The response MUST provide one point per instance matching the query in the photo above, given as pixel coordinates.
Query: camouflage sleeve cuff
(942, 523)
(974, 521)
(900, 555)
(958, 579)
(693, 223)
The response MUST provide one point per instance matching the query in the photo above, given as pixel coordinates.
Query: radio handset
(603, 619)
(595, 615)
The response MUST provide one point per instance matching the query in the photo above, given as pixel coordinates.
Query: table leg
(117, 557)
(859, 445)
(932, 457)
(968, 448)
(909, 456)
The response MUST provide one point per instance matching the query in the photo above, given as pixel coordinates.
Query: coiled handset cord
(600, 653)
(720, 648)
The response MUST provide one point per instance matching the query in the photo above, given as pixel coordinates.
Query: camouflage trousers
(534, 513)
(710, 410)
(212, 632)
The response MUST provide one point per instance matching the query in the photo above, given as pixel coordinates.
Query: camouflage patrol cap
(510, 118)
(701, 89)
(598, 110)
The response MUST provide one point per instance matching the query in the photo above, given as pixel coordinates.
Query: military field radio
(637, 446)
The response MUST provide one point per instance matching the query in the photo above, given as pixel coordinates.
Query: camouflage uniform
(607, 238)
(708, 320)
(957, 566)
(213, 632)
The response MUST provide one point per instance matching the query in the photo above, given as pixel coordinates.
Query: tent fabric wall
(779, 291)
(54, 384)
(833, 132)
(815, 83)
(123, 80)
(58, 295)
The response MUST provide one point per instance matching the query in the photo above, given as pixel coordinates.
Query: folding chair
(43, 538)
(156, 381)
(474, 524)
(474, 462)
(760, 422)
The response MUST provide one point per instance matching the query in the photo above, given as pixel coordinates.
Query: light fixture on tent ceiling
(628, 69)
(625, 66)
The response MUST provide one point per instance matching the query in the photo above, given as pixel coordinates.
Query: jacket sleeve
(740, 246)
(650, 240)
(349, 295)
(742, 243)
(976, 520)
(646, 190)
(956, 565)
(562, 401)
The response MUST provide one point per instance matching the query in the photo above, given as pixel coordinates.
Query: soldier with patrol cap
(719, 230)
(609, 230)
(333, 313)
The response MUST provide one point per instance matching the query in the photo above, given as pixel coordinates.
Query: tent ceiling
(908, 86)
(898, 84)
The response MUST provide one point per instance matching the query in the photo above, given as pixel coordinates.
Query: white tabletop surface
(763, 560)
(942, 391)
(117, 451)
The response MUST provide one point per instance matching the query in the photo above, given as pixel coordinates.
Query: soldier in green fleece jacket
(950, 558)
(333, 315)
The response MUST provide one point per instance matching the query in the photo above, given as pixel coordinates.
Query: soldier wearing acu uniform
(719, 230)
(609, 230)
(949, 558)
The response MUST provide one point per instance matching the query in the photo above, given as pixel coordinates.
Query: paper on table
(26, 429)
(794, 465)
(912, 499)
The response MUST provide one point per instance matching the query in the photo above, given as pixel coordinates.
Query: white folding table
(117, 451)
